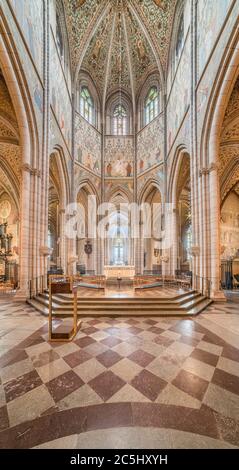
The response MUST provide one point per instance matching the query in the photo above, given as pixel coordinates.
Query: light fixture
(5, 241)
(5, 245)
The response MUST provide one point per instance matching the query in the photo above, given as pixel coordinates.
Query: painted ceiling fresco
(119, 41)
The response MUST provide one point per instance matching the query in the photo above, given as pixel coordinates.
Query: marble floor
(125, 291)
(147, 382)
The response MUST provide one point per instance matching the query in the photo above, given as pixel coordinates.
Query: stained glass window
(151, 108)
(120, 119)
(87, 105)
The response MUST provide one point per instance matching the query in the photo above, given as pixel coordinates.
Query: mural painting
(207, 80)
(154, 174)
(60, 100)
(150, 145)
(29, 15)
(88, 145)
(119, 157)
(82, 175)
(35, 86)
(111, 185)
(211, 15)
(179, 98)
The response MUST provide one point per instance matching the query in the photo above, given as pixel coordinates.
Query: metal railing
(203, 285)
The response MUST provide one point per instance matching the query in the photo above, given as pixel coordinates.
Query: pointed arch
(149, 185)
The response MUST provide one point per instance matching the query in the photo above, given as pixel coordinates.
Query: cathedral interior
(119, 177)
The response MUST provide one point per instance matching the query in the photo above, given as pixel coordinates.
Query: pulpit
(62, 285)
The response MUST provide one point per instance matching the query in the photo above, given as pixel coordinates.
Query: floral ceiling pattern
(119, 40)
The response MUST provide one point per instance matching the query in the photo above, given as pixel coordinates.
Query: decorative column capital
(29, 169)
(203, 171)
(213, 167)
(206, 171)
(45, 251)
(72, 259)
(194, 251)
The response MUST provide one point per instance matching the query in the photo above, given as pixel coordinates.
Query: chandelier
(5, 242)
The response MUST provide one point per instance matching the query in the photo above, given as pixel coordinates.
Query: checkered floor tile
(179, 364)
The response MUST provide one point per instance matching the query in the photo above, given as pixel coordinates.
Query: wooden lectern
(59, 284)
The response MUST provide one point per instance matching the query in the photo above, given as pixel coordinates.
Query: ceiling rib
(89, 34)
(109, 60)
(143, 24)
(129, 62)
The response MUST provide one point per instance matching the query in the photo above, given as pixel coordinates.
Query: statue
(141, 49)
(119, 64)
(97, 48)
(129, 169)
(109, 169)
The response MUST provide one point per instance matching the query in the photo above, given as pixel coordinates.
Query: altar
(119, 272)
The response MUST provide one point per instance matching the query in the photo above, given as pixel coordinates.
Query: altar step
(187, 303)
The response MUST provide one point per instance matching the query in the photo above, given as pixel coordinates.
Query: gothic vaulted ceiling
(119, 42)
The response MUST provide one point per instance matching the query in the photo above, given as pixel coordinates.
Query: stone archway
(209, 184)
(10, 183)
(149, 243)
(119, 248)
(228, 170)
(180, 199)
(20, 144)
(87, 201)
(58, 198)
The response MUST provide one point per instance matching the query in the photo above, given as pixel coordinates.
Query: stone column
(215, 248)
(174, 250)
(24, 239)
(62, 240)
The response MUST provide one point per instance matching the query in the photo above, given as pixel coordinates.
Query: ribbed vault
(119, 40)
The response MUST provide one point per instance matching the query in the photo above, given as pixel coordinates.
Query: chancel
(119, 224)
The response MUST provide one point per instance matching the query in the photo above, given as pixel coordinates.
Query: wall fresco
(211, 15)
(156, 174)
(179, 98)
(29, 15)
(119, 156)
(81, 174)
(207, 81)
(150, 145)
(174, 57)
(59, 96)
(110, 186)
(34, 84)
(56, 140)
(87, 145)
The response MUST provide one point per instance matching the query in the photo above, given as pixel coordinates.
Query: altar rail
(173, 281)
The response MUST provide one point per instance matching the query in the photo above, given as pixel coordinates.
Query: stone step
(57, 299)
(192, 305)
(116, 313)
(200, 307)
(102, 306)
